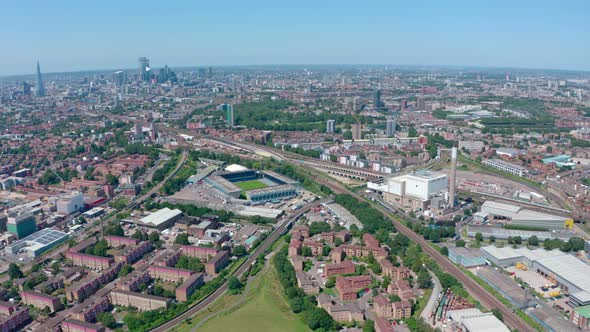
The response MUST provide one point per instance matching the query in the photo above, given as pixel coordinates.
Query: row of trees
(315, 317)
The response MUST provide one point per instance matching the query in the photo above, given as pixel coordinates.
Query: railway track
(476, 290)
(205, 302)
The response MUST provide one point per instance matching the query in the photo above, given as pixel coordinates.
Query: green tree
(100, 248)
(331, 282)
(444, 251)
(239, 251)
(106, 319)
(478, 237)
(306, 251)
(234, 285)
(533, 240)
(125, 270)
(498, 314)
(369, 326)
(182, 239)
(460, 243)
(424, 278)
(111, 180)
(14, 272)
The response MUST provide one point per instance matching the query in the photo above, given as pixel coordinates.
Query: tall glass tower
(40, 91)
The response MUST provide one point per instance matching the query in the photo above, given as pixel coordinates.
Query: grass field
(264, 311)
(250, 185)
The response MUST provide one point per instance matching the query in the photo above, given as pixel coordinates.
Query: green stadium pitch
(251, 185)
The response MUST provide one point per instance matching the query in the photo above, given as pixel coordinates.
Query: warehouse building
(524, 217)
(505, 166)
(568, 272)
(505, 233)
(473, 320)
(37, 243)
(160, 220)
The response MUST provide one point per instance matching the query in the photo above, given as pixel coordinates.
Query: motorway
(476, 290)
(272, 238)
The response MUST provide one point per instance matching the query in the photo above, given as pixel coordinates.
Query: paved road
(430, 305)
(274, 236)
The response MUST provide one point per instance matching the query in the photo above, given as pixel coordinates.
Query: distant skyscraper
(356, 104)
(210, 72)
(403, 105)
(166, 75)
(143, 73)
(421, 104)
(40, 92)
(390, 128)
(26, 89)
(330, 124)
(356, 131)
(229, 115)
(377, 99)
(119, 78)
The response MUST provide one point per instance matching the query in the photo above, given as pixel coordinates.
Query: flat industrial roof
(161, 216)
(525, 214)
(511, 208)
(487, 323)
(533, 255)
(44, 236)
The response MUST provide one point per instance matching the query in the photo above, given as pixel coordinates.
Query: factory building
(37, 243)
(567, 271)
(412, 191)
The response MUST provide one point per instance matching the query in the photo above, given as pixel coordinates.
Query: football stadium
(257, 187)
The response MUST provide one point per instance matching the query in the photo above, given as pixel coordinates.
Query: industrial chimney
(453, 177)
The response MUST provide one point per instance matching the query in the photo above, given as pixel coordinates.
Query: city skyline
(66, 37)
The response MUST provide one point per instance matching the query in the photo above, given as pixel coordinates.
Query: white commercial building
(412, 190)
(70, 203)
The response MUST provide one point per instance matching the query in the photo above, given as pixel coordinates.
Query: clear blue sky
(102, 34)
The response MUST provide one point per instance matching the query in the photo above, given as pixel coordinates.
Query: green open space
(251, 185)
(264, 309)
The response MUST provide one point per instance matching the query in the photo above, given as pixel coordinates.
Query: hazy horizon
(68, 36)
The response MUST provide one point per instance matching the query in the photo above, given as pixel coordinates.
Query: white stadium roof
(235, 168)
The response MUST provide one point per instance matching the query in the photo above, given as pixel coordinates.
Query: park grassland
(263, 309)
(250, 185)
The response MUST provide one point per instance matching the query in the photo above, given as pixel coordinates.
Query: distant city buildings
(40, 90)
(330, 125)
